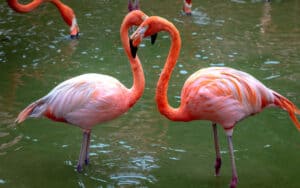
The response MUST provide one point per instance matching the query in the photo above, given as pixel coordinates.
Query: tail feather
(33, 110)
(287, 105)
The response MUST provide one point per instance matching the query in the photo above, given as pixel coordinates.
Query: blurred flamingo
(133, 5)
(66, 12)
(221, 95)
(89, 99)
(187, 7)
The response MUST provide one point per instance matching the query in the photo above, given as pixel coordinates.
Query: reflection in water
(11, 143)
(129, 155)
(266, 19)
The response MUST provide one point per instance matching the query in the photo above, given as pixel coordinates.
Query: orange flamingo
(89, 99)
(66, 12)
(187, 7)
(133, 5)
(221, 95)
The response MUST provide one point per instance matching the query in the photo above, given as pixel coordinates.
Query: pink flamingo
(221, 95)
(187, 7)
(133, 5)
(66, 12)
(89, 99)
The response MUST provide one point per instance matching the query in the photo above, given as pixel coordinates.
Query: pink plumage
(90, 99)
(221, 95)
(92, 96)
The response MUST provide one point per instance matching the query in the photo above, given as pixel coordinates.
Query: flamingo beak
(75, 36)
(135, 39)
(133, 49)
(153, 38)
(74, 29)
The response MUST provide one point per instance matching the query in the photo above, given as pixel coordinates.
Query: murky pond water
(142, 148)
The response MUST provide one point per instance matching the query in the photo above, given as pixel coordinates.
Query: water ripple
(2, 181)
(200, 18)
(272, 77)
(271, 62)
(131, 178)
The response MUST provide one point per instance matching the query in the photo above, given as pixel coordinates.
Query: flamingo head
(135, 18)
(149, 27)
(74, 29)
(187, 7)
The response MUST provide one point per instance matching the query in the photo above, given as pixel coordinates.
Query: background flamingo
(89, 99)
(218, 94)
(133, 5)
(187, 7)
(66, 12)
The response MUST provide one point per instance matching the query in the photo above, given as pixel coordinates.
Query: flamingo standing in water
(89, 99)
(133, 5)
(187, 7)
(221, 95)
(66, 12)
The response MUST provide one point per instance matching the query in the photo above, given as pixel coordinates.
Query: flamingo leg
(218, 162)
(87, 152)
(83, 150)
(234, 179)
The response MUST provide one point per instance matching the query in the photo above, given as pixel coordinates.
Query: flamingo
(187, 7)
(90, 99)
(66, 12)
(133, 5)
(221, 95)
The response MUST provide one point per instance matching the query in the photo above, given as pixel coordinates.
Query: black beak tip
(74, 36)
(133, 49)
(153, 38)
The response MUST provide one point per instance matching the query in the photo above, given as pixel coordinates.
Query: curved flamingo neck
(66, 12)
(136, 91)
(23, 8)
(163, 82)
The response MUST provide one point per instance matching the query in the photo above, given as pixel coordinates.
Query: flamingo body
(84, 101)
(219, 94)
(90, 99)
(66, 12)
(223, 95)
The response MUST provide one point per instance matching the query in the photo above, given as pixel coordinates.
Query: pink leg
(87, 152)
(218, 162)
(83, 150)
(234, 179)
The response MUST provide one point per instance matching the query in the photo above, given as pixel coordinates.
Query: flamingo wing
(224, 95)
(84, 101)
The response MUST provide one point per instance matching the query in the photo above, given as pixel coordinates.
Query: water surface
(142, 148)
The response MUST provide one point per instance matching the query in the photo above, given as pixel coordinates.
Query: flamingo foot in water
(218, 164)
(87, 161)
(79, 168)
(234, 182)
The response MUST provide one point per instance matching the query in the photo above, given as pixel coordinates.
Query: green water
(142, 148)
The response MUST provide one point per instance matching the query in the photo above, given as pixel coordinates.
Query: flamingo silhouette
(187, 7)
(89, 99)
(133, 5)
(221, 95)
(66, 12)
